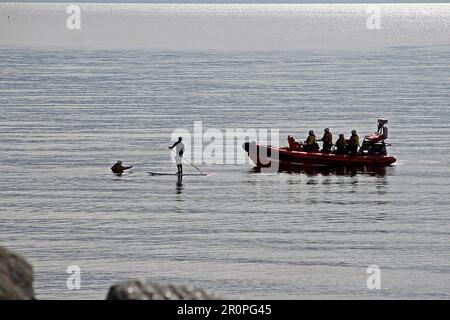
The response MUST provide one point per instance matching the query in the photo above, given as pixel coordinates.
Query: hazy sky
(234, 1)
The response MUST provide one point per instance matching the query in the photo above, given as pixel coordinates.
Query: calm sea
(74, 101)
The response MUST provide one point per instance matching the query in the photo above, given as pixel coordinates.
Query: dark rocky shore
(16, 276)
(16, 283)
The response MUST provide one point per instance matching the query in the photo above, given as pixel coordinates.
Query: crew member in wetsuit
(353, 143)
(310, 143)
(341, 144)
(327, 140)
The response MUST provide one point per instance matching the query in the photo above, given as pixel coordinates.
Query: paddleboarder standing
(179, 150)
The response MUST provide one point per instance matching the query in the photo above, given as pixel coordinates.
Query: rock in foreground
(144, 290)
(16, 277)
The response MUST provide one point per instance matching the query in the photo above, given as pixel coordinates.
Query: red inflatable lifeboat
(263, 156)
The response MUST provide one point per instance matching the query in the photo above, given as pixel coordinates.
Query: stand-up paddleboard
(177, 174)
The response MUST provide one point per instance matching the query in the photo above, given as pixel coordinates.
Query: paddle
(189, 163)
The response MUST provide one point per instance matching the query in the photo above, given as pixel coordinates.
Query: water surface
(69, 112)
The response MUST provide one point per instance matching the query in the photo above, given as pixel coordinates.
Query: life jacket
(311, 140)
(327, 137)
(354, 140)
(340, 143)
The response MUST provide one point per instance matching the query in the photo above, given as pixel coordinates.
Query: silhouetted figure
(341, 144)
(327, 140)
(353, 143)
(118, 168)
(382, 128)
(310, 143)
(179, 150)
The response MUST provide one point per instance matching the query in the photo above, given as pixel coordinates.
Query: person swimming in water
(118, 168)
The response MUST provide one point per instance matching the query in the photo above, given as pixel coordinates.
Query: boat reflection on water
(313, 170)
